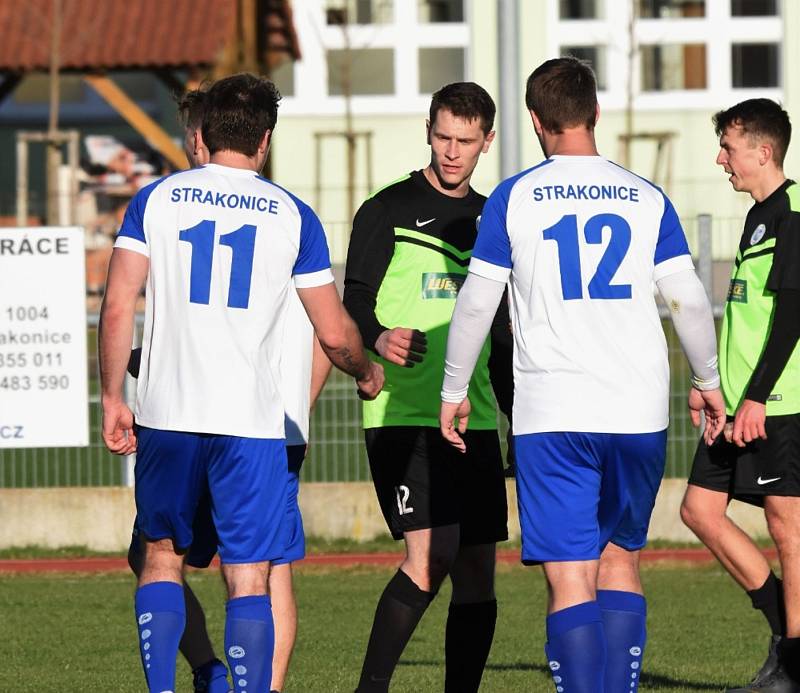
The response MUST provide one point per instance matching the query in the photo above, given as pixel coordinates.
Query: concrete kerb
(101, 518)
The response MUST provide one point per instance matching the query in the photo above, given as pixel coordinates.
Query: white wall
(101, 518)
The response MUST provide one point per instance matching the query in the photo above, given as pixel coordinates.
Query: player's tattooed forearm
(350, 363)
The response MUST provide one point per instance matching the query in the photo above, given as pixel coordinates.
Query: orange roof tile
(115, 34)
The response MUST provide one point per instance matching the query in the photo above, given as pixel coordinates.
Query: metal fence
(337, 449)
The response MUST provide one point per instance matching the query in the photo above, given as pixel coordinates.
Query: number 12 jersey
(583, 241)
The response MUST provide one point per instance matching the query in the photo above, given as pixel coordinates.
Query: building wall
(101, 518)
(697, 184)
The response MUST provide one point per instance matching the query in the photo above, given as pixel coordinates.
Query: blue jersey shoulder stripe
(492, 244)
(671, 238)
(313, 255)
(636, 175)
(133, 223)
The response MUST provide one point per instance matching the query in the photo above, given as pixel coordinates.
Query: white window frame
(718, 30)
(404, 35)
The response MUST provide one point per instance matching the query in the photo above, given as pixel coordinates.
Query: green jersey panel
(419, 290)
(750, 306)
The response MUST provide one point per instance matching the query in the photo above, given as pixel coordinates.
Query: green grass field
(77, 632)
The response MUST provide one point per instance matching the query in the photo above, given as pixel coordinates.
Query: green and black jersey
(767, 268)
(409, 255)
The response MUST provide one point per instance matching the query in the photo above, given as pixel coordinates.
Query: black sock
(470, 630)
(789, 656)
(399, 610)
(769, 600)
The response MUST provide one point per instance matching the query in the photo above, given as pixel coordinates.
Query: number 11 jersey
(224, 246)
(583, 241)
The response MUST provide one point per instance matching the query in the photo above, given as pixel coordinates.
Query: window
(754, 64)
(692, 54)
(671, 9)
(358, 11)
(36, 89)
(578, 9)
(439, 66)
(754, 8)
(595, 56)
(371, 71)
(138, 85)
(673, 66)
(435, 11)
(283, 78)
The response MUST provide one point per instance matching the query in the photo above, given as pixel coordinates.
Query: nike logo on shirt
(420, 224)
(761, 481)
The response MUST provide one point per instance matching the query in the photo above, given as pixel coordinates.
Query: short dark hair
(465, 100)
(759, 119)
(191, 107)
(238, 111)
(563, 94)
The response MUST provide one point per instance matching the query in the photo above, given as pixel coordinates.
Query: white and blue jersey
(224, 247)
(583, 241)
(295, 369)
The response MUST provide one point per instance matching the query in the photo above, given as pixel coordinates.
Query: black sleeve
(785, 272)
(368, 257)
(501, 370)
(783, 336)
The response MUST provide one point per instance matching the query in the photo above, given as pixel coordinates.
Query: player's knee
(429, 572)
(696, 517)
(246, 580)
(135, 559)
(783, 532)
(436, 571)
(688, 516)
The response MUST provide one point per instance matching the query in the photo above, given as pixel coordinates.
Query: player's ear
(537, 124)
(201, 153)
(427, 131)
(266, 140)
(596, 114)
(488, 141)
(764, 152)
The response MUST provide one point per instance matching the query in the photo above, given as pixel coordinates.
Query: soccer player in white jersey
(304, 370)
(582, 241)
(218, 248)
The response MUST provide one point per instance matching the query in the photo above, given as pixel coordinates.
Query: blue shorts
(579, 491)
(205, 541)
(295, 536)
(245, 479)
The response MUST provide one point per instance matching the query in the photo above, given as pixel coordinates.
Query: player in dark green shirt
(408, 256)
(758, 459)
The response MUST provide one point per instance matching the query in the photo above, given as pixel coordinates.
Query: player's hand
(402, 346)
(118, 433)
(727, 432)
(748, 424)
(370, 385)
(712, 404)
(447, 422)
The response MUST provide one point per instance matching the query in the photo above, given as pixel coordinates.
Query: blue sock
(624, 620)
(161, 617)
(249, 642)
(576, 649)
(212, 677)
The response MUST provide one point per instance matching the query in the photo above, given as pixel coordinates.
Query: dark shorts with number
(423, 482)
(768, 467)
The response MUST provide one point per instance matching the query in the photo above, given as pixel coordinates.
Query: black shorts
(769, 467)
(424, 482)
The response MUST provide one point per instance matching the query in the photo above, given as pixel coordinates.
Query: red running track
(104, 565)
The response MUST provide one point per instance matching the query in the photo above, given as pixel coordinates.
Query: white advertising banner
(43, 374)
